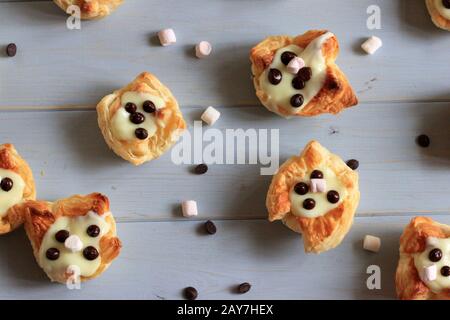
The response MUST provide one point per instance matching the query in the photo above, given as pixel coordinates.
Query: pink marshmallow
(189, 208)
(210, 115)
(372, 44)
(371, 243)
(318, 185)
(295, 65)
(203, 49)
(167, 37)
(429, 273)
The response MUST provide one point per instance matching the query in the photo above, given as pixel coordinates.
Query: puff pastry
(440, 13)
(16, 187)
(140, 121)
(91, 9)
(74, 233)
(316, 194)
(319, 87)
(423, 271)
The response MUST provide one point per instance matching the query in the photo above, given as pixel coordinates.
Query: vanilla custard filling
(13, 196)
(75, 226)
(281, 94)
(322, 205)
(123, 128)
(443, 11)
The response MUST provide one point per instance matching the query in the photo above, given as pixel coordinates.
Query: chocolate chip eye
(305, 74)
(446, 4)
(287, 56)
(275, 76)
(333, 196)
(62, 235)
(317, 174)
(301, 188)
(309, 204)
(297, 100)
(52, 254)
(298, 83)
(93, 231)
(90, 253)
(137, 118)
(435, 255)
(130, 107)
(141, 133)
(445, 271)
(6, 184)
(149, 106)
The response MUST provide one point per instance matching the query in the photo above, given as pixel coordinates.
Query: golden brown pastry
(318, 87)
(440, 13)
(73, 235)
(316, 194)
(16, 187)
(140, 121)
(91, 9)
(423, 271)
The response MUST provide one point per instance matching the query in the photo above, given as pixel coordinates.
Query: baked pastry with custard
(315, 194)
(91, 9)
(440, 13)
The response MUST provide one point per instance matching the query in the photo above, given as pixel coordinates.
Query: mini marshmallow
(432, 242)
(210, 116)
(189, 208)
(372, 44)
(295, 65)
(167, 37)
(73, 243)
(203, 49)
(318, 185)
(429, 273)
(372, 243)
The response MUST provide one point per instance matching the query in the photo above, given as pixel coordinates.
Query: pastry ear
(38, 219)
(79, 205)
(6, 159)
(314, 154)
(414, 238)
(110, 248)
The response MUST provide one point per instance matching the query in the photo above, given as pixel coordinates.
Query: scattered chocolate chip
(297, 100)
(446, 4)
(309, 204)
(298, 83)
(317, 174)
(6, 184)
(287, 56)
(201, 169)
(210, 227)
(435, 255)
(62, 235)
(93, 231)
(137, 118)
(130, 107)
(305, 74)
(244, 287)
(52, 254)
(301, 188)
(423, 141)
(445, 271)
(149, 106)
(333, 196)
(353, 164)
(275, 76)
(11, 50)
(141, 133)
(90, 253)
(190, 293)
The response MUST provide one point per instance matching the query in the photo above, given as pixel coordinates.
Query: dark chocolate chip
(445, 271)
(210, 227)
(333, 196)
(317, 174)
(297, 100)
(353, 164)
(137, 118)
(90, 253)
(287, 56)
(305, 74)
(52, 254)
(201, 169)
(190, 293)
(423, 141)
(130, 107)
(93, 231)
(435, 255)
(298, 83)
(244, 287)
(149, 106)
(301, 188)
(446, 4)
(309, 204)
(141, 133)
(62, 235)
(11, 50)
(275, 76)
(6, 184)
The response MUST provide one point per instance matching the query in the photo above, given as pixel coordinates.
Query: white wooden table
(49, 90)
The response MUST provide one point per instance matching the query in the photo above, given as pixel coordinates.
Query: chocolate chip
(445, 271)
(297, 100)
(317, 174)
(333, 196)
(287, 56)
(11, 50)
(435, 255)
(190, 293)
(244, 287)
(90, 253)
(301, 188)
(423, 141)
(130, 107)
(141, 133)
(309, 204)
(353, 164)
(210, 227)
(305, 74)
(62, 235)
(275, 76)
(93, 231)
(201, 169)
(149, 106)
(446, 3)
(6, 184)
(137, 118)
(298, 83)
(52, 254)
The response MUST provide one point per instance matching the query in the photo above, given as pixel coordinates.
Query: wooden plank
(68, 155)
(56, 66)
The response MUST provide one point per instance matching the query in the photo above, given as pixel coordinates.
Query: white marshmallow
(429, 273)
(189, 208)
(73, 243)
(372, 44)
(432, 242)
(167, 37)
(73, 270)
(210, 116)
(372, 243)
(295, 65)
(203, 49)
(318, 185)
